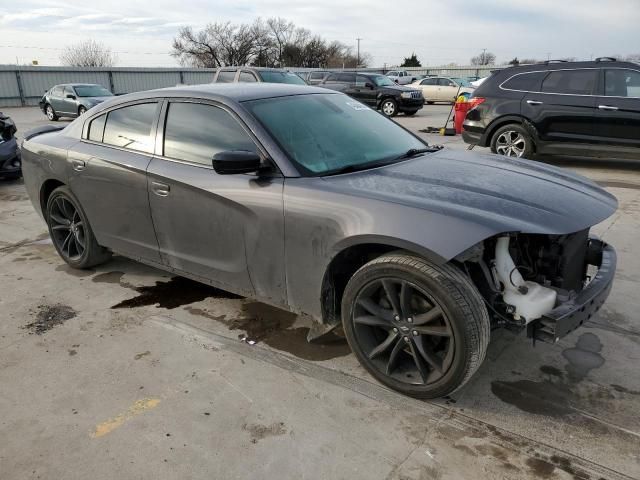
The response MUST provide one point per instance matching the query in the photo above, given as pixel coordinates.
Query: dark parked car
(256, 75)
(306, 199)
(10, 161)
(377, 91)
(72, 100)
(577, 108)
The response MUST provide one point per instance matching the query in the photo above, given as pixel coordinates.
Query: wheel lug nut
(406, 339)
(395, 330)
(396, 318)
(415, 333)
(410, 320)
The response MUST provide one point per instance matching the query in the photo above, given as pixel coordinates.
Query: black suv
(559, 108)
(377, 91)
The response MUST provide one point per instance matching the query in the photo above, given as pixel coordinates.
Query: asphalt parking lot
(126, 372)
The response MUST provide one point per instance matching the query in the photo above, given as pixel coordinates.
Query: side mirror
(236, 161)
(369, 85)
(72, 97)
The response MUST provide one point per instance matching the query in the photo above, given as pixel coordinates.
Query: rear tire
(50, 113)
(419, 328)
(429, 102)
(512, 140)
(70, 231)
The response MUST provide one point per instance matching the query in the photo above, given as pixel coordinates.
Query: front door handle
(160, 189)
(534, 102)
(78, 165)
(607, 107)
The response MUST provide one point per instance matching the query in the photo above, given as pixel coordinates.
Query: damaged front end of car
(547, 284)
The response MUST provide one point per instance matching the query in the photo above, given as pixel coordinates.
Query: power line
(62, 49)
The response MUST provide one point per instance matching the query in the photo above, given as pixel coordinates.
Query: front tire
(418, 328)
(512, 140)
(389, 107)
(81, 110)
(51, 113)
(70, 231)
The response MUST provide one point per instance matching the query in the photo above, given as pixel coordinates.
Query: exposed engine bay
(525, 277)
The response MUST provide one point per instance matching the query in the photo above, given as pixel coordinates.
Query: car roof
(77, 85)
(258, 69)
(560, 65)
(238, 92)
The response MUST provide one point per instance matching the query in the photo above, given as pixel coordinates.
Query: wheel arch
(45, 192)
(501, 122)
(349, 257)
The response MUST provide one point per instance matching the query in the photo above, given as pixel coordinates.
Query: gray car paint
(292, 227)
(69, 107)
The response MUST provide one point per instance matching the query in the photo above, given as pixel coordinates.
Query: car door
(109, 178)
(56, 98)
(365, 90)
(69, 100)
(429, 88)
(447, 90)
(211, 225)
(618, 109)
(563, 110)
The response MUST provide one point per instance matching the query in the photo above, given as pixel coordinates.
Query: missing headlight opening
(526, 279)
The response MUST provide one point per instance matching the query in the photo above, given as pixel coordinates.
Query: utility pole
(484, 57)
(358, 58)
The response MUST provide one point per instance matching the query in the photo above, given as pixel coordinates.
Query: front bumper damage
(571, 314)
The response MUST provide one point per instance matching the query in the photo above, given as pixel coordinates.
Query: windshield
(325, 133)
(281, 77)
(383, 81)
(92, 91)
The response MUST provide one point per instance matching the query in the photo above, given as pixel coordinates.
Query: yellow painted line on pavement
(137, 408)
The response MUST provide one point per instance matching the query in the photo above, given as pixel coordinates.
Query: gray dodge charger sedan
(306, 199)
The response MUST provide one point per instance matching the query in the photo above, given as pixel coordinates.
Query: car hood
(95, 100)
(501, 194)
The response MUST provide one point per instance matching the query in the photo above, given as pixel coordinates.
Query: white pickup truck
(401, 77)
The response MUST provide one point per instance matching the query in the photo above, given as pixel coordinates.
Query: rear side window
(347, 77)
(195, 133)
(445, 82)
(130, 127)
(570, 82)
(429, 81)
(525, 82)
(96, 128)
(622, 83)
(317, 76)
(226, 76)
(247, 77)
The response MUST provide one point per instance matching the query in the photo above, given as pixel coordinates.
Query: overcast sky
(438, 31)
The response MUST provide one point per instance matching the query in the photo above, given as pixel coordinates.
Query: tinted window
(445, 82)
(96, 128)
(247, 77)
(196, 132)
(317, 76)
(572, 82)
(130, 127)
(226, 76)
(322, 133)
(429, 81)
(92, 91)
(69, 91)
(361, 80)
(526, 82)
(622, 83)
(347, 77)
(274, 76)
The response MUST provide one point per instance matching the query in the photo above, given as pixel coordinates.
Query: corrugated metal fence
(24, 86)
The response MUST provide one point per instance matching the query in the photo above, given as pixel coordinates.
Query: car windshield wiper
(414, 152)
(356, 168)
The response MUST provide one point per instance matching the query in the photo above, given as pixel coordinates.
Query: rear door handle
(534, 102)
(78, 165)
(607, 107)
(160, 189)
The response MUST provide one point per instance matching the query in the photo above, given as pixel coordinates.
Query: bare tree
(634, 57)
(275, 42)
(485, 58)
(88, 54)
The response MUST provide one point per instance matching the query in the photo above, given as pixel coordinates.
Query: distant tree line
(274, 42)
(88, 53)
